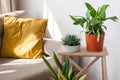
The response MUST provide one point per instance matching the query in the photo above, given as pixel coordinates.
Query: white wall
(58, 13)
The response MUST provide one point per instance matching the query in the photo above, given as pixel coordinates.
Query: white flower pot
(66, 48)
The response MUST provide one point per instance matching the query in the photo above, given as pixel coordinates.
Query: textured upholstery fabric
(51, 45)
(23, 37)
(24, 69)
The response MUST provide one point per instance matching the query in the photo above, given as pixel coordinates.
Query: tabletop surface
(84, 52)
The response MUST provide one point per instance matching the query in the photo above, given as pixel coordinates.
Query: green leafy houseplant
(93, 23)
(71, 40)
(94, 20)
(66, 72)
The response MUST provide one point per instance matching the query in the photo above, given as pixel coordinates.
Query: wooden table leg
(104, 69)
(79, 68)
(87, 66)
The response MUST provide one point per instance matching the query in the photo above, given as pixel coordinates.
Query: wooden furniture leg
(79, 68)
(88, 66)
(104, 70)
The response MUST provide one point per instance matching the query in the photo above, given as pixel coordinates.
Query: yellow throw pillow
(23, 37)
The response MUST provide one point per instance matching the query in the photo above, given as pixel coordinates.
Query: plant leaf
(57, 61)
(102, 12)
(73, 18)
(66, 67)
(91, 9)
(113, 18)
(50, 68)
(88, 14)
(80, 21)
(62, 76)
(70, 71)
(104, 26)
(72, 76)
(83, 77)
(95, 22)
(98, 35)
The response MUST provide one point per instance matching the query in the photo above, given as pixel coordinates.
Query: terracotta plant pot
(92, 44)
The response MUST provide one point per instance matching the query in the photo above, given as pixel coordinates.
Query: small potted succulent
(71, 43)
(93, 23)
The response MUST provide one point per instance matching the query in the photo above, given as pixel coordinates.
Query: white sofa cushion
(29, 69)
(24, 69)
(14, 13)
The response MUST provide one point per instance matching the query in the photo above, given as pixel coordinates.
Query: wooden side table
(84, 53)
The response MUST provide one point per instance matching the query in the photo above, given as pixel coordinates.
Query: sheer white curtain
(5, 6)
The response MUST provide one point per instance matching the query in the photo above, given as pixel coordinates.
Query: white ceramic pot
(66, 48)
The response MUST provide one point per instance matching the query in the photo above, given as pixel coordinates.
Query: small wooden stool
(84, 53)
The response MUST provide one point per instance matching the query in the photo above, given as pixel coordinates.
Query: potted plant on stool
(71, 43)
(94, 25)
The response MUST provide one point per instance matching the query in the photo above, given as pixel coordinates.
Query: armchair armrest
(51, 45)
